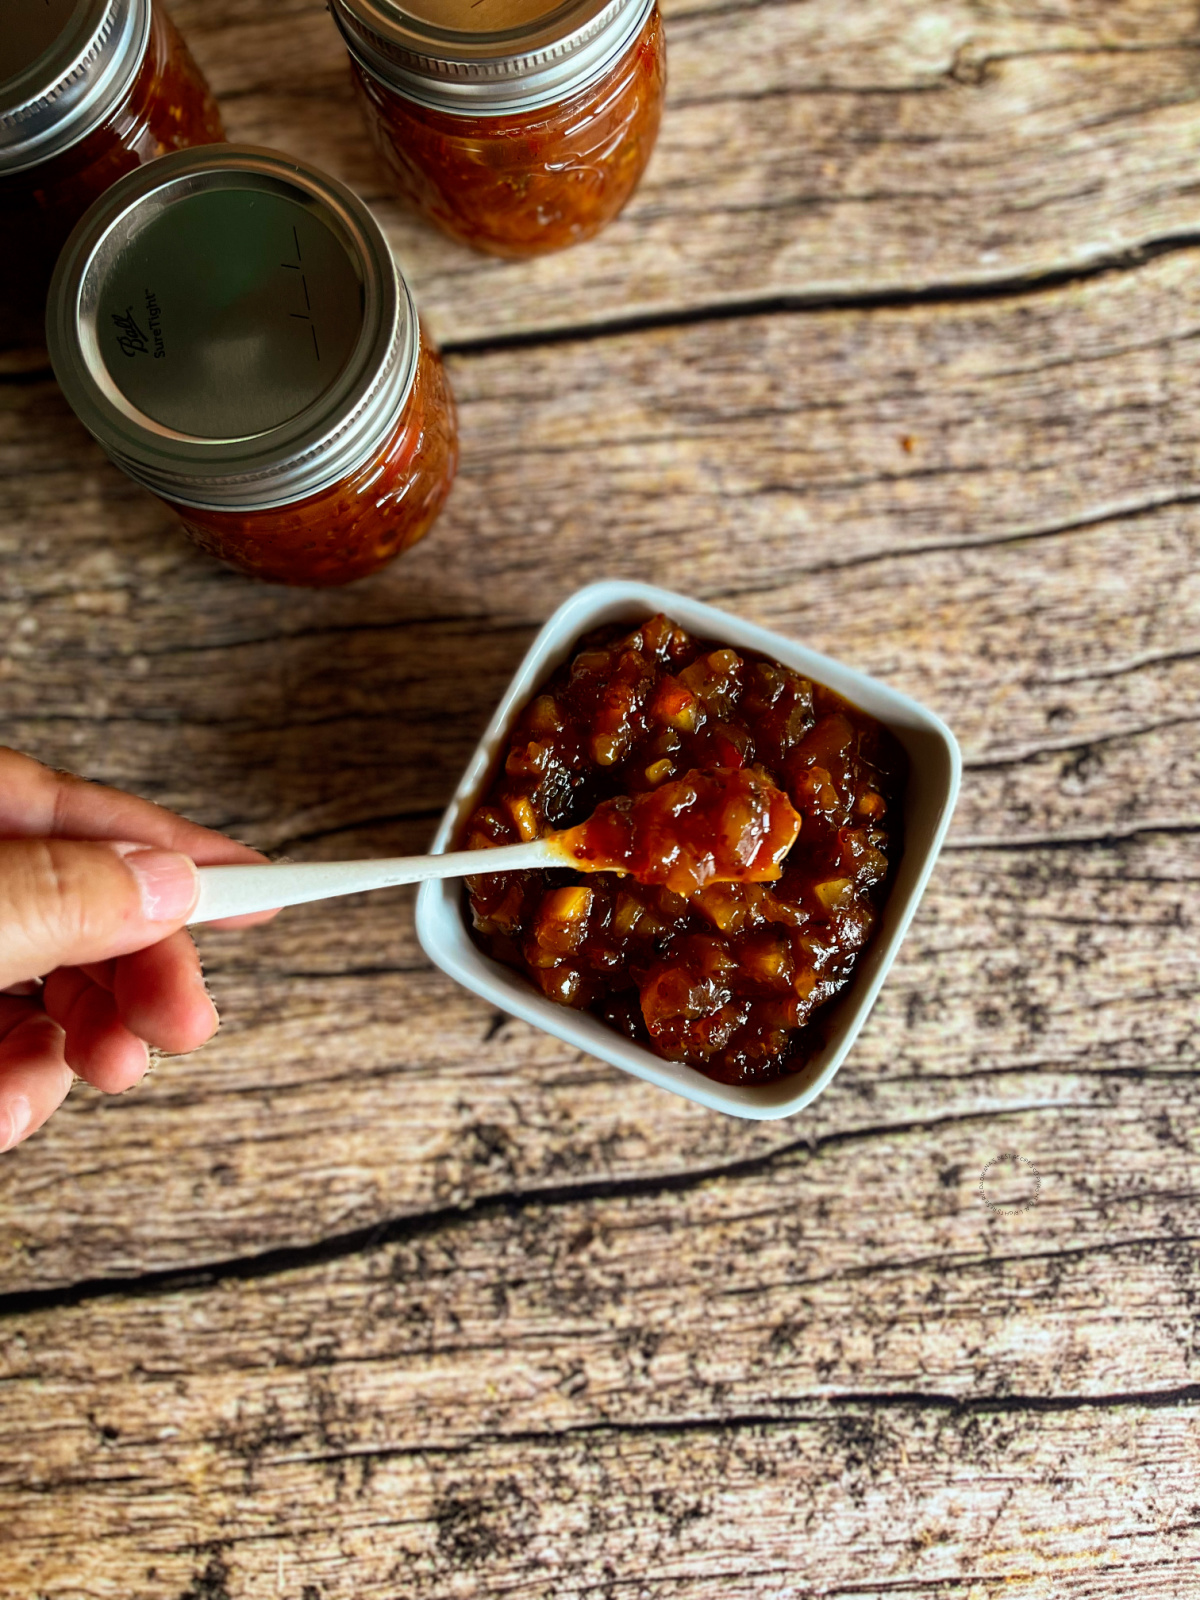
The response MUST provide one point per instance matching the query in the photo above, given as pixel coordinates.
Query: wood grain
(1020, 1504)
(657, 1393)
(384, 1294)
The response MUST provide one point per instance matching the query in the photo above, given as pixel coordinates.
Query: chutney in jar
(366, 519)
(507, 140)
(94, 89)
(230, 325)
(730, 977)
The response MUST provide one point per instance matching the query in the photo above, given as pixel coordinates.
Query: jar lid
(64, 64)
(231, 327)
(486, 57)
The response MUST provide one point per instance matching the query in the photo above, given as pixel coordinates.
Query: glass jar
(231, 327)
(89, 90)
(521, 140)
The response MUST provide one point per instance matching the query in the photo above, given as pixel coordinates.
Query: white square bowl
(934, 771)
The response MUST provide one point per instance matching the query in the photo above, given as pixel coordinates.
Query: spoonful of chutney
(720, 826)
(725, 826)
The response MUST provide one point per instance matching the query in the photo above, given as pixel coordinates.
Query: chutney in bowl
(760, 1061)
(728, 977)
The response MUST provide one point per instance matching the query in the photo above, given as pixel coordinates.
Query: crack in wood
(1112, 840)
(428, 1223)
(1185, 1395)
(1015, 286)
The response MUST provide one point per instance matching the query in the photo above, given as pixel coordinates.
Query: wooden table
(384, 1295)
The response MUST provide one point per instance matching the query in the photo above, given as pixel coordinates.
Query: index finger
(39, 803)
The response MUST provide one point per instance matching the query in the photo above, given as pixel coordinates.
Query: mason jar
(519, 139)
(89, 89)
(230, 326)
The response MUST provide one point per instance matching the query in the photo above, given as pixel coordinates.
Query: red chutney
(730, 976)
(726, 826)
(361, 523)
(168, 107)
(525, 183)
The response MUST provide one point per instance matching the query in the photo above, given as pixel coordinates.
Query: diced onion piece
(564, 984)
(660, 636)
(526, 760)
(675, 706)
(813, 793)
(541, 955)
(628, 915)
(562, 919)
(606, 749)
(568, 905)
(671, 904)
(492, 824)
(724, 905)
(543, 715)
(715, 680)
(872, 868)
(834, 893)
(591, 663)
(524, 817)
(782, 911)
(768, 958)
(507, 915)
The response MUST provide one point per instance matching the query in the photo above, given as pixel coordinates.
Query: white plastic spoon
(747, 826)
(236, 891)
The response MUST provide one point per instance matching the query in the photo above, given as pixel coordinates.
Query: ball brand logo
(1009, 1184)
(131, 340)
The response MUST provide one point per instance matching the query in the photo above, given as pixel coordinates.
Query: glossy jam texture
(168, 107)
(724, 826)
(526, 183)
(730, 977)
(361, 523)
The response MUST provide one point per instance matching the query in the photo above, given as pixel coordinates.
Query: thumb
(64, 902)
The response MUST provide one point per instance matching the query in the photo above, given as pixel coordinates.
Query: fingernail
(167, 881)
(17, 1117)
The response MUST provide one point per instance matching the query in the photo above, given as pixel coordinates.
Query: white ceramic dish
(935, 767)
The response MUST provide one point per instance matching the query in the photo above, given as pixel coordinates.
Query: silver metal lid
(64, 66)
(231, 327)
(488, 57)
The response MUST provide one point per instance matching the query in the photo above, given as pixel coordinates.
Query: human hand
(95, 889)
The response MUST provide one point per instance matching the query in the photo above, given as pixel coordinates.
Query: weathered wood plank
(851, 1504)
(715, 1297)
(351, 1086)
(670, 1382)
(808, 150)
